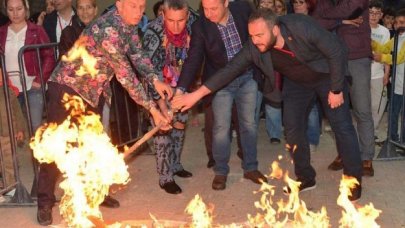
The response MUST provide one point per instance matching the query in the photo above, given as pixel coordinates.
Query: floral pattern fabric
(114, 45)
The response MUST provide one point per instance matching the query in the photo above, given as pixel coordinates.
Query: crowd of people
(295, 61)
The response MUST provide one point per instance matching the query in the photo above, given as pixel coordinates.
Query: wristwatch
(336, 91)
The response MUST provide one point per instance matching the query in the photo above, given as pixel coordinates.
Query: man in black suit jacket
(62, 16)
(216, 37)
(314, 63)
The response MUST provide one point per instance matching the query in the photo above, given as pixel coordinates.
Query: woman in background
(17, 33)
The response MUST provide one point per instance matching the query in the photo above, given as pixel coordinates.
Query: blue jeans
(242, 91)
(314, 127)
(298, 102)
(259, 101)
(273, 122)
(36, 102)
(396, 103)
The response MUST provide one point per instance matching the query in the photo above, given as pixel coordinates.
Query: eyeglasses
(298, 2)
(373, 13)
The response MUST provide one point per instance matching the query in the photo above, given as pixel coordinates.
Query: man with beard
(314, 63)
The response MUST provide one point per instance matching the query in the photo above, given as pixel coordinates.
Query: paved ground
(143, 196)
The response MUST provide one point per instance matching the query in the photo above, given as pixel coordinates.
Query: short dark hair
(175, 4)
(400, 13)
(376, 4)
(267, 15)
(156, 7)
(389, 11)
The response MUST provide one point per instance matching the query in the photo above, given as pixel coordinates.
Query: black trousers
(48, 173)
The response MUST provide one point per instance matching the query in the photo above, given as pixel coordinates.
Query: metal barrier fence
(391, 145)
(127, 121)
(21, 196)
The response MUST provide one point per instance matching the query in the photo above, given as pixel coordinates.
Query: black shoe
(171, 188)
(219, 182)
(211, 163)
(110, 202)
(355, 193)
(240, 154)
(336, 165)
(275, 141)
(368, 169)
(183, 173)
(255, 176)
(305, 186)
(44, 216)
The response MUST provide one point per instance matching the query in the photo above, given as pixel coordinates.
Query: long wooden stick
(144, 138)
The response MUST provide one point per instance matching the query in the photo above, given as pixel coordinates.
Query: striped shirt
(230, 36)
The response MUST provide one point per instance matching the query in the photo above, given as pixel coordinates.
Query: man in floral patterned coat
(113, 41)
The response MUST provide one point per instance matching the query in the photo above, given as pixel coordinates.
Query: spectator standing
(38, 18)
(379, 72)
(382, 53)
(19, 124)
(14, 35)
(62, 16)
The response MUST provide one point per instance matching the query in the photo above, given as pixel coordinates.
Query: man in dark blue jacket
(314, 63)
(60, 18)
(216, 37)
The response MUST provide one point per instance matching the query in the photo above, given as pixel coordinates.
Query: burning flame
(78, 51)
(90, 164)
(201, 216)
(88, 161)
(294, 213)
(352, 217)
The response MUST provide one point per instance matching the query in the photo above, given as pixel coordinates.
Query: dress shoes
(110, 202)
(255, 176)
(368, 169)
(44, 215)
(219, 182)
(336, 165)
(183, 173)
(355, 193)
(171, 188)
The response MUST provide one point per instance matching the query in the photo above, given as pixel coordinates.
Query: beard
(263, 47)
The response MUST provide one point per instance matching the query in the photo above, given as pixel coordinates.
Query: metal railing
(390, 146)
(21, 196)
(127, 117)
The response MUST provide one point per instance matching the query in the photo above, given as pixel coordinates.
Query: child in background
(379, 72)
(19, 128)
(388, 20)
(382, 53)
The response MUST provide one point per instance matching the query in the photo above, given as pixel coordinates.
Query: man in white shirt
(56, 21)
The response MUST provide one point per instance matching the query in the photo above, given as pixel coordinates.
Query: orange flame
(352, 217)
(85, 156)
(78, 51)
(201, 216)
(277, 172)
